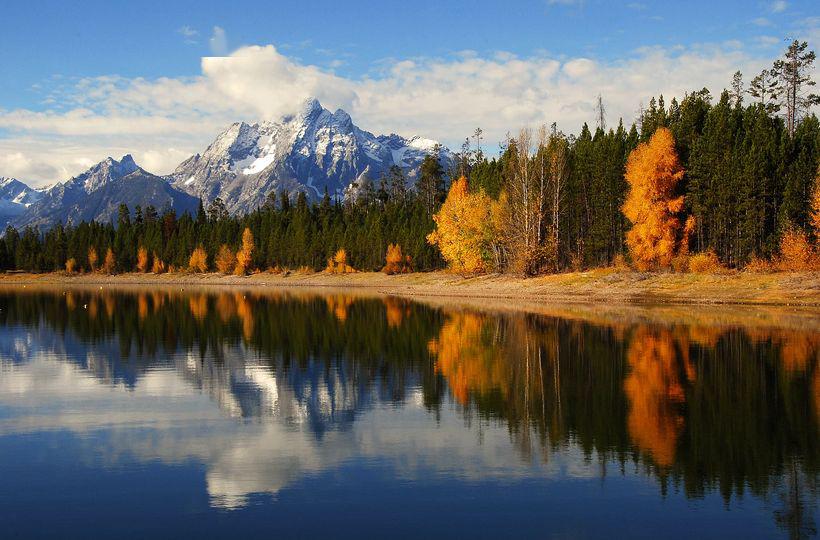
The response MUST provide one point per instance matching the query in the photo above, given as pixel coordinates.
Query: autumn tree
(464, 229)
(142, 259)
(225, 260)
(653, 172)
(198, 261)
(92, 258)
(395, 262)
(158, 267)
(70, 265)
(110, 262)
(815, 209)
(244, 257)
(338, 263)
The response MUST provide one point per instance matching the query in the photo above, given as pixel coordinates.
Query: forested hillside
(730, 178)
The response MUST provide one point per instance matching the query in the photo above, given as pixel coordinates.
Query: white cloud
(162, 121)
(218, 41)
(189, 34)
(779, 6)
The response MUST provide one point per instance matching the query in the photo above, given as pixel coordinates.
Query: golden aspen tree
(338, 263)
(796, 253)
(244, 257)
(395, 262)
(198, 261)
(158, 267)
(225, 260)
(142, 259)
(110, 262)
(815, 209)
(464, 229)
(657, 234)
(92, 258)
(70, 265)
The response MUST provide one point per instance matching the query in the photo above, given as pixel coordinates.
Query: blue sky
(79, 82)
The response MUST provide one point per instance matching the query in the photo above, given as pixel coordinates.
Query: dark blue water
(186, 414)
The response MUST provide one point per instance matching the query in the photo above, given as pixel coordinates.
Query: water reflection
(268, 389)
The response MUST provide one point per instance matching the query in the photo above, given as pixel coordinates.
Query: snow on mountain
(311, 151)
(97, 193)
(15, 198)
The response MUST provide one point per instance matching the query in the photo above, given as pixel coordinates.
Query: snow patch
(259, 164)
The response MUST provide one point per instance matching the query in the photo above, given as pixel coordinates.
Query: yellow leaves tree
(657, 235)
(244, 257)
(142, 259)
(92, 258)
(796, 251)
(395, 262)
(110, 262)
(815, 209)
(225, 260)
(338, 263)
(70, 265)
(465, 229)
(198, 261)
(158, 267)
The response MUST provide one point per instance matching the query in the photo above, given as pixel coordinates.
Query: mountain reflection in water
(267, 390)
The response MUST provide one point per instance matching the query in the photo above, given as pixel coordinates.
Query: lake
(206, 413)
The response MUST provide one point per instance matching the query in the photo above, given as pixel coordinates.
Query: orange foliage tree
(657, 235)
(338, 263)
(395, 262)
(815, 209)
(142, 259)
(92, 258)
(110, 263)
(225, 259)
(198, 261)
(158, 267)
(465, 229)
(244, 257)
(796, 252)
(70, 265)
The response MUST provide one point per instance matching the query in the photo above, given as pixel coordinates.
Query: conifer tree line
(732, 177)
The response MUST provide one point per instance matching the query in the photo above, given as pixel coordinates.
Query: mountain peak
(309, 108)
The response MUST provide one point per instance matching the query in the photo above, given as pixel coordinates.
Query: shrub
(619, 263)
(395, 262)
(70, 265)
(338, 264)
(705, 262)
(759, 265)
(796, 253)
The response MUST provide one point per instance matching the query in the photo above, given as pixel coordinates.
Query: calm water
(186, 414)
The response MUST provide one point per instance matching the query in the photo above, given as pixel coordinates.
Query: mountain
(97, 193)
(310, 151)
(15, 198)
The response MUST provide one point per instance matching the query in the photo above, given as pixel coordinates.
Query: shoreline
(600, 286)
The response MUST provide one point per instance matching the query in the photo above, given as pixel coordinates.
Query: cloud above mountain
(162, 121)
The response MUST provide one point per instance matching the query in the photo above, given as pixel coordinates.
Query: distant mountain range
(313, 151)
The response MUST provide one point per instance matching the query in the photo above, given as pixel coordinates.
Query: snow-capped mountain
(97, 193)
(311, 151)
(15, 198)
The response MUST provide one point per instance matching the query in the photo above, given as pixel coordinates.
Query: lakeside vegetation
(704, 184)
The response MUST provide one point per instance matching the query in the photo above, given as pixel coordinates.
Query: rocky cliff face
(312, 151)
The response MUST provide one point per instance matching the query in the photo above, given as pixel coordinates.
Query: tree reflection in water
(700, 408)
